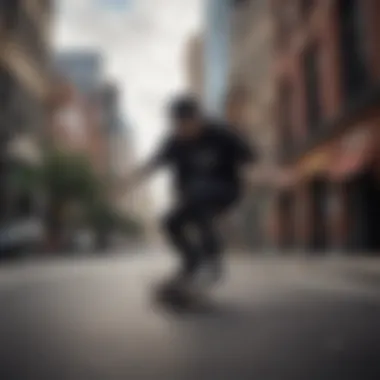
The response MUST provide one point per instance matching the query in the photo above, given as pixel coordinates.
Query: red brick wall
(321, 27)
(330, 58)
(372, 12)
(90, 142)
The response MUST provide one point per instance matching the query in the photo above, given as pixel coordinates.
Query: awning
(349, 165)
(354, 153)
(316, 163)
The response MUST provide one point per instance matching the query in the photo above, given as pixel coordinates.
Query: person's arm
(253, 171)
(146, 170)
(243, 150)
(140, 174)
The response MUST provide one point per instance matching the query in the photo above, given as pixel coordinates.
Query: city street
(273, 319)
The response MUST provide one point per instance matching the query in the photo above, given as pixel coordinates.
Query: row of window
(17, 21)
(354, 74)
(21, 110)
(5, 88)
(29, 36)
(17, 106)
(287, 13)
(9, 13)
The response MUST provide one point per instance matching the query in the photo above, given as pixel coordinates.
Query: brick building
(327, 70)
(248, 107)
(76, 126)
(216, 54)
(114, 130)
(24, 88)
(82, 67)
(196, 66)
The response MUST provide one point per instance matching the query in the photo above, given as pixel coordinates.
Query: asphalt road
(93, 319)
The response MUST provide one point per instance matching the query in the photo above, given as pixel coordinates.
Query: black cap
(184, 107)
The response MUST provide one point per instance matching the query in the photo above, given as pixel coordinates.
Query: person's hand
(121, 187)
(125, 185)
(133, 179)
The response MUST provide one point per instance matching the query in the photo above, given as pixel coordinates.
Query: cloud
(143, 44)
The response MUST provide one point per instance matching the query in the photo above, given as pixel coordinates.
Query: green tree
(69, 178)
(68, 181)
(74, 194)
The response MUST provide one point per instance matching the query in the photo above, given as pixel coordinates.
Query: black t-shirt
(216, 155)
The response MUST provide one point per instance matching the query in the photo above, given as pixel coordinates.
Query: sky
(143, 42)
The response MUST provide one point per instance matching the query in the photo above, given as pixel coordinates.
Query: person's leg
(207, 206)
(176, 225)
(211, 245)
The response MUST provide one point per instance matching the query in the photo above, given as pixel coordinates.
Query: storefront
(314, 204)
(22, 226)
(287, 208)
(355, 169)
(333, 200)
(282, 228)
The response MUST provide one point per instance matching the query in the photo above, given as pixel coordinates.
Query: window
(285, 118)
(71, 119)
(311, 82)
(285, 17)
(5, 88)
(23, 206)
(24, 109)
(306, 6)
(30, 37)
(47, 6)
(352, 44)
(10, 11)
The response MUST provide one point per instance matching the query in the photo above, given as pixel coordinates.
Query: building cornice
(328, 131)
(22, 65)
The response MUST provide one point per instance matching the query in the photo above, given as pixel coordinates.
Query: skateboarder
(206, 158)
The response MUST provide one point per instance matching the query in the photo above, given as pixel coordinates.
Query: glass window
(285, 14)
(285, 117)
(311, 82)
(352, 43)
(306, 6)
(10, 12)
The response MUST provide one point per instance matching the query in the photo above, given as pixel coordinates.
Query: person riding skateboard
(207, 159)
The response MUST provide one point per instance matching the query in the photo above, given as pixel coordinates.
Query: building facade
(196, 66)
(113, 128)
(216, 59)
(121, 157)
(24, 88)
(84, 68)
(328, 103)
(248, 107)
(91, 98)
(110, 141)
(76, 126)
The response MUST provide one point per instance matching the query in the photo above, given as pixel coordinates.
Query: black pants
(191, 226)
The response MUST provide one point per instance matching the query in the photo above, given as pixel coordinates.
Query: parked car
(22, 235)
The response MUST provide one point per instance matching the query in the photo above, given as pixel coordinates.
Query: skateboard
(182, 298)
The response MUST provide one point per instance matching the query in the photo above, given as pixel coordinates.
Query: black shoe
(179, 281)
(208, 276)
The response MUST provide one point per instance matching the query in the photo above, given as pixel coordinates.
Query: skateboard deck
(182, 299)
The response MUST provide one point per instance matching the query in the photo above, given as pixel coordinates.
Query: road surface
(274, 319)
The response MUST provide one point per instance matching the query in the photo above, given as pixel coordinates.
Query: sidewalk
(364, 269)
